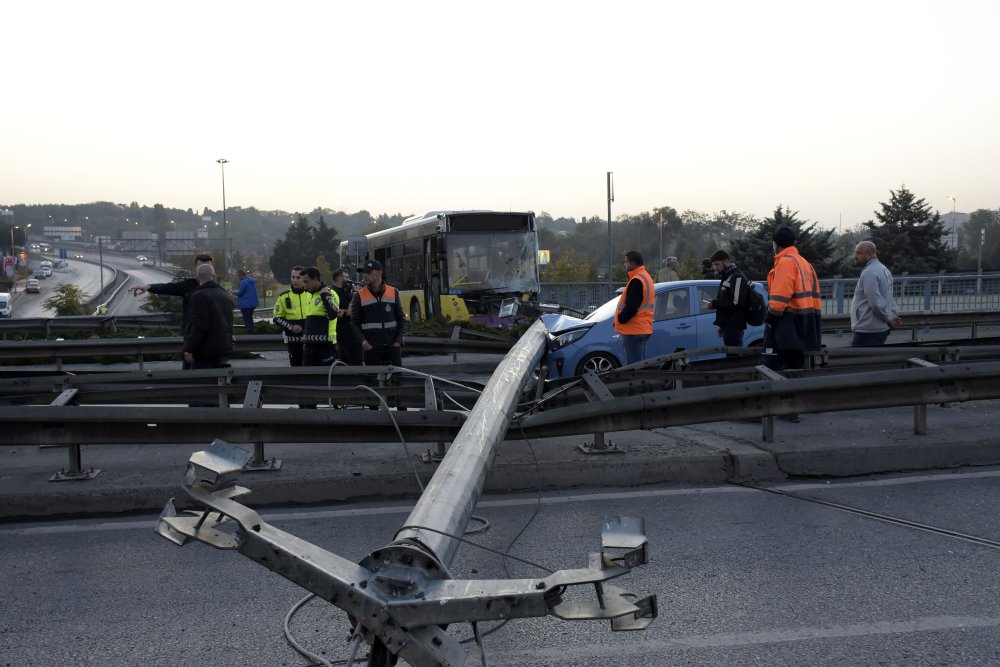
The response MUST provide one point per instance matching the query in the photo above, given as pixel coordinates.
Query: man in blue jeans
(246, 298)
(634, 315)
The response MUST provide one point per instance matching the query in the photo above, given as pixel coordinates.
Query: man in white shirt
(873, 310)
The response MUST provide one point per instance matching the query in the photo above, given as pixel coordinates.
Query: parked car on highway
(680, 322)
(31, 286)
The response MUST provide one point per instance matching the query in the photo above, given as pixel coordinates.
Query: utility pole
(225, 226)
(611, 198)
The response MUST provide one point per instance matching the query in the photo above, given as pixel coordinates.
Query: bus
(476, 266)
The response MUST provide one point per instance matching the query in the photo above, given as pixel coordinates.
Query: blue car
(680, 322)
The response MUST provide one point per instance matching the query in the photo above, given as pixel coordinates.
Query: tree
(67, 299)
(755, 255)
(295, 248)
(325, 243)
(909, 238)
(566, 267)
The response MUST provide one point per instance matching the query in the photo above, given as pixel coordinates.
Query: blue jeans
(635, 347)
(247, 319)
(869, 338)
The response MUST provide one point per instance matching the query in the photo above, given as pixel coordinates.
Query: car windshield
(604, 312)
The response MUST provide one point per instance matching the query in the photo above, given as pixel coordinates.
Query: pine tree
(755, 255)
(296, 248)
(908, 237)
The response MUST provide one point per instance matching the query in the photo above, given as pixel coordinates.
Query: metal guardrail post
(75, 471)
(920, 409)
(252, 401)
(767, 423)
(596, 391)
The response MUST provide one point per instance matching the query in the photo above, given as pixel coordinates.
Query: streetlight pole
(611, 198)
(225, 226)
(954, 229)
(9, 212)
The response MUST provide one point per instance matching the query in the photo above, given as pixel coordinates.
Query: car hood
(557, 324)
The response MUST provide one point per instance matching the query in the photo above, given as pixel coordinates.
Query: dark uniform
(320, 336)
(378, 319)
(288, 311)
(348, 346)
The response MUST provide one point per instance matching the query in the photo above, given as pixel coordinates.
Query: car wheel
(598, 362)
(415, 314)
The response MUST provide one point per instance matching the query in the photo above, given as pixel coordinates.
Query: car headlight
(562, 340)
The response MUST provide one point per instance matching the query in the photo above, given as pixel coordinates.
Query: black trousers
(318, 354)
(384, 355)
(294, 353)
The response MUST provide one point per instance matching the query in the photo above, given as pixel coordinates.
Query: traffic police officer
(288, 315)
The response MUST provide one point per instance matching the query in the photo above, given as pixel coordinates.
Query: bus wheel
(415, 314)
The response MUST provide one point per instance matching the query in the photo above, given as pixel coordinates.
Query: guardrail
(912, 293)
(56, 351)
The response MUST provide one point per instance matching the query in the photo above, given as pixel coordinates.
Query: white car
(31, 286)
(142, 258)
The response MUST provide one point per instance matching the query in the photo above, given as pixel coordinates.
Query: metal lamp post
(9, 212)
(954, 230)
(225, 226)
(611, 198)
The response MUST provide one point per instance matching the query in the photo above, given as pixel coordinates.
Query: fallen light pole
(402, 597)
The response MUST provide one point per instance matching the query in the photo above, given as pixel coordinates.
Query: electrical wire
(291, 640)
(982, 541)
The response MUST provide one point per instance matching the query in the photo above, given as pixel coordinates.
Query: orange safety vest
(642, 321)
(792, 285)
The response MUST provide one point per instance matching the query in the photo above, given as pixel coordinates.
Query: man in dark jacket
(182, 288)
(730, 302)
(208, 334)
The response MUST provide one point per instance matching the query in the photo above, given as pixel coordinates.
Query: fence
(912, 293)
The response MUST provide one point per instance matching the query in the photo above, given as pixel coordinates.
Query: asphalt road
(85, 273)
(743, 577)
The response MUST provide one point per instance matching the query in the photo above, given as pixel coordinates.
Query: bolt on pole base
(600, 446)
(71, 476)
(435, 456)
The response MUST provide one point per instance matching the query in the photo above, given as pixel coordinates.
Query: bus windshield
(492, 261)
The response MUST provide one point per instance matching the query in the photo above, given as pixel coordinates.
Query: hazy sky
(413, 106)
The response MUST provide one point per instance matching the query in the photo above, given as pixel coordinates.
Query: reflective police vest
(321, 317)
(288, 311)
(642, 321)
(378, 315)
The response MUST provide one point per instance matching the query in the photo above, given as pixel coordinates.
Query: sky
(404, 107)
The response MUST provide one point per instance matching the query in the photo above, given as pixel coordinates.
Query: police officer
(288, 315)
(320, 331)
(377, 317)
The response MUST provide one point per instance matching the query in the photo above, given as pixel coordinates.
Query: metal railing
(912, 293)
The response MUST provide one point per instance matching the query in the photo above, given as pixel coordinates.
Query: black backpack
(756, 308)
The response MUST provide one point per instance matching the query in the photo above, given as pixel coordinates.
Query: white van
(4, 304)
(45, 268)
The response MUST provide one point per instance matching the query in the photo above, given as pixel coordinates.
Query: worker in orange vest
(794, 308)
(634, 316)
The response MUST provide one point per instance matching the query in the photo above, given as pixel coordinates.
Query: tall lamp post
(611, 198)
(225, 226)
(9, 212)
(954, 229)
